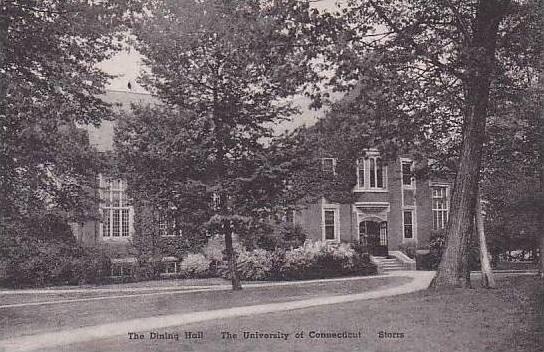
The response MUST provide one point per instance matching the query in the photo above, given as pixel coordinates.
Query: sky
(126, 66)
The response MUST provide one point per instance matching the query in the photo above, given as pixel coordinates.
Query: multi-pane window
(408, 224)
(407, 173)
(170, 266)
(330, 224)
(371, 173)
(440, 207)
(215, 201)
(288, 216)
(361, 173)
(328, 166)
(115, 209)
(168, 226)
(383, 233)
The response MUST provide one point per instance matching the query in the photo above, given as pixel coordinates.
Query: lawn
(509, 318)
(17, 321)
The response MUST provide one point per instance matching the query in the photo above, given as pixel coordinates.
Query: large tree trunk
(541, 176)
(541, 254)
(4, 26)
(452, 271)
(488, 280)
(231, 258)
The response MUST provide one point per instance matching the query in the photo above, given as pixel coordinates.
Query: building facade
(391, 208)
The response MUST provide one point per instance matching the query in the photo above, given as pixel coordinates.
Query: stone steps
(388, 264)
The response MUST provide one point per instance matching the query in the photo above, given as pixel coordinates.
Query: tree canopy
(50, 84)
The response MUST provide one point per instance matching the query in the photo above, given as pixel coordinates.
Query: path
(420, 280)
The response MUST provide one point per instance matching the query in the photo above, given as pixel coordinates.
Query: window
(331, 224)
(122, 266)
(170, 266)
(168, 226)
(407, 168)
(408, 224)
(115, 209)
(361, 173)
(215, 201)
(440, 208)
(328, 166)
(288, 216)
(371, 173)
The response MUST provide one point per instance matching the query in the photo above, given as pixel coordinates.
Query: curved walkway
(420, 280)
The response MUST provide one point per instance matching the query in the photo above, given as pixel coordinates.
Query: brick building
(391, 211)
(391, 208)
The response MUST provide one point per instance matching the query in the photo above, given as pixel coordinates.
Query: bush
(409, 248)
(194, 266)
(148, 268)
(321, 259)
(253, 265)
(431, 260)
(30, 260)
(312, 260)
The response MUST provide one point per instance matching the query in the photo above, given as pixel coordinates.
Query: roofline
(127, 91)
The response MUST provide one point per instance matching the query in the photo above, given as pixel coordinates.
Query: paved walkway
(420, 281)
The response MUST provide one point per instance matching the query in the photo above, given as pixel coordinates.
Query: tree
(49, 83)
(447, 65)
(224, 70)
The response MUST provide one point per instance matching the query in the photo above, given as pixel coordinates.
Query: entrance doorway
(374, 236)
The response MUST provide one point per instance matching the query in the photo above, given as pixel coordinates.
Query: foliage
(310, 261)
(223, 71)
(194, 266)
(282, 235)
(151, 245)
(320, 259)
(50, 83)
(427, 76)
(437, 243)
(255, 264)
(409, 248)
(49, 257)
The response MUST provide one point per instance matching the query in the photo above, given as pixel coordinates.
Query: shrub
(254, 265)
(194, 266)
(312, 260)
(409, 248)
(30, 260)
(148, 268)
(321, 259)
(437, 243)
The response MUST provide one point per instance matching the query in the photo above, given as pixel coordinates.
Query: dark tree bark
(541, 261)
(452, 271)
(4, 25)
(231, 257)
(541, 176)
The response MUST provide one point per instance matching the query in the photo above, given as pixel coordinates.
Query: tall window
(361, 173)
(328, 166)
(330, 224)
(407, 173)
(371, 173)
(168, 226)
(115, 209)
(440, 207)
(408, 224)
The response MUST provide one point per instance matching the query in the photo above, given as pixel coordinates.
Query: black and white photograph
(272, 175)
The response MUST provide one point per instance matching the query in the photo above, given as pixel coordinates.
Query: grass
(516, 266)
(509, 318)
(17, 321)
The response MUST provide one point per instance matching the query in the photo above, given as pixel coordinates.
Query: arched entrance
(374, 235)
